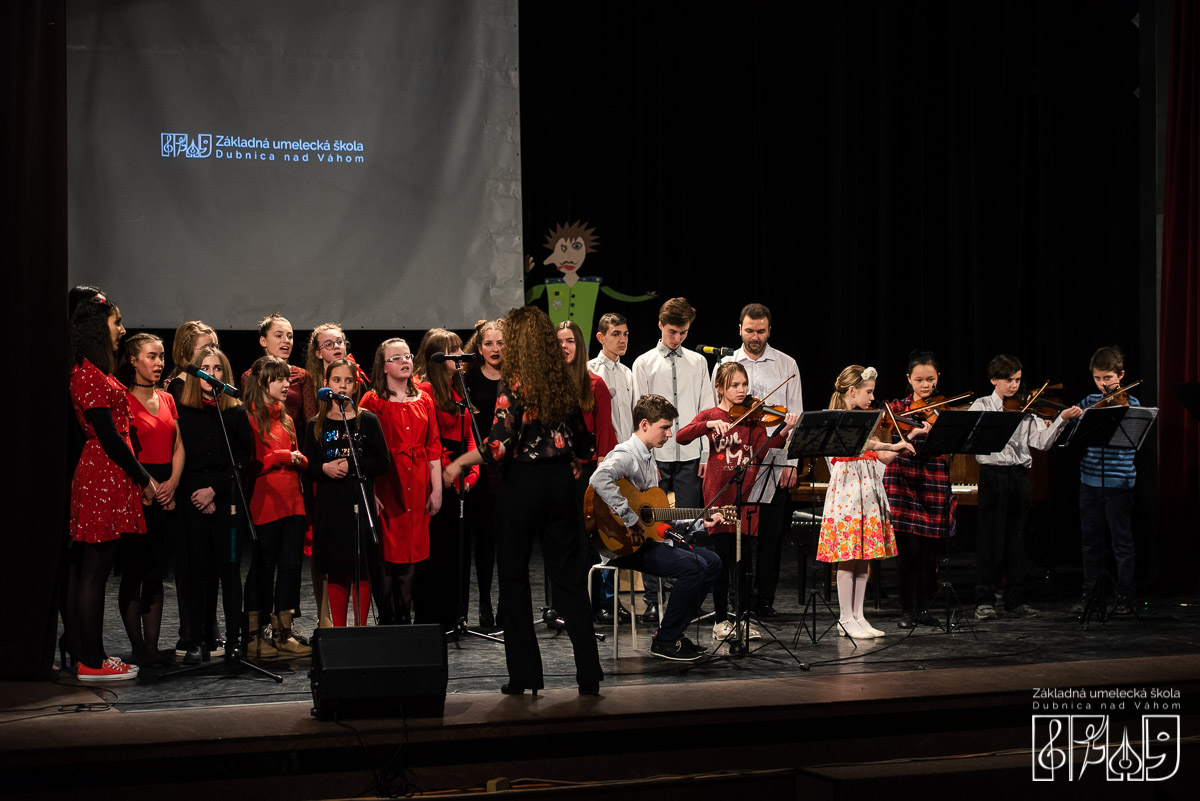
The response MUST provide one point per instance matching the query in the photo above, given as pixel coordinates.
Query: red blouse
(276, 491)
(153, 435)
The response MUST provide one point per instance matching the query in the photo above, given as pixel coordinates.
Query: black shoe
(1124, 605)
(182, 647)
(603, 615)
(926, 619)
(216, 646)
(1078, 607)
(197, 654)
(487, 620)
(623, 613)
(687, 644)
(589, 688)
(651, 613)
(766, 610)
(512, 688)
(675, 651)
(906, 621)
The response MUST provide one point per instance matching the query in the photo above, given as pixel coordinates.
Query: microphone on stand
(440, 358)
(327, 394)
(217, 385)
(720, 353)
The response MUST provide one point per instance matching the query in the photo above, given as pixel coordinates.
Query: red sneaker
(112, 669)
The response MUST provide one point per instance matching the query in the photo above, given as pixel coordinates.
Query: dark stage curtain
(35, 253)
(884, 175)
(1179, 343)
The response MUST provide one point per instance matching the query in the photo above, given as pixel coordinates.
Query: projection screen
(356, 161)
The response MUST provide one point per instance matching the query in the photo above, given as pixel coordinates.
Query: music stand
(830, 432)
(1121, 427)
(965, 432)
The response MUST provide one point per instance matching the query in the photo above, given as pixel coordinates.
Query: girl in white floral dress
(855, 525)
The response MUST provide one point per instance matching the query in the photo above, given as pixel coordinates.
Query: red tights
(339, 599)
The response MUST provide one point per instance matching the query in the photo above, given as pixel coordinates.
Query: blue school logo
(180, 144)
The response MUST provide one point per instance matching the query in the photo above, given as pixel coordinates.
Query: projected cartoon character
(573, 296)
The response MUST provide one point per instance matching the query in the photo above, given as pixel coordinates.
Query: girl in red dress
(109, 486)
(276, 507)
(448, 567)
(411, 490)
(159, 449)
(730, 447)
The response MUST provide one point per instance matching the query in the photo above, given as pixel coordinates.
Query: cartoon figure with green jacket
(573, 296)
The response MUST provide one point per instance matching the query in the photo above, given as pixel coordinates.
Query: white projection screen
(354, 161)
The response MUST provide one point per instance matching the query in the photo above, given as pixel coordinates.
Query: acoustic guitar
(611, 537)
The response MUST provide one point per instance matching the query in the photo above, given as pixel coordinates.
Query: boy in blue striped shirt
(1107, 477)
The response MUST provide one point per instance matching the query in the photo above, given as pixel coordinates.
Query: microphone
(440, 358)
(327, 394)
(218, 386)
(718, 352)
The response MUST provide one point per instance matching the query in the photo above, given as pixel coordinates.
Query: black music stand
(965, 432)
(1122, 427)
(831, 432)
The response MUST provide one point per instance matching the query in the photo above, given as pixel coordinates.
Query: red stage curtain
(1179, 350)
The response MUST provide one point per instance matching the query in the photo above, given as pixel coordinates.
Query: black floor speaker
(379, 671)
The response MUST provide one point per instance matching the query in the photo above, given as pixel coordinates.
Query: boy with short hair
(614, 341)
(694, 569)
(1106, 480)
(681, 376)
(1004, 496)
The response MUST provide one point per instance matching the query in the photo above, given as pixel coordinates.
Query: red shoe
(112, 669)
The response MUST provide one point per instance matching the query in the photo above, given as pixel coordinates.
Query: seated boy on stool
(694, 569)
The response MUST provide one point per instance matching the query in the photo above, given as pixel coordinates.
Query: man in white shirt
(681, 376)
(614, 341)
(767, 368)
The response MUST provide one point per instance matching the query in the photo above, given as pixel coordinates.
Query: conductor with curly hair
(538, 435)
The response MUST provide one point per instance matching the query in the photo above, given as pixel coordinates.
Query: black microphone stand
(233, 651)
(364, 503)
(464, 413)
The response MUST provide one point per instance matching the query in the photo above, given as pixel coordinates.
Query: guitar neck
(673, 513)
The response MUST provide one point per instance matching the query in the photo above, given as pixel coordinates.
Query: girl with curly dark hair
(539, 436)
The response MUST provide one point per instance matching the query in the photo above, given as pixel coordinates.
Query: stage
(834, 722)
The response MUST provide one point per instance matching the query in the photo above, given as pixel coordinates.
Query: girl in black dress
(337, 552)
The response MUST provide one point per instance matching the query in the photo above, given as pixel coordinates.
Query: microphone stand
(464, 414)
(233, 651)
(364, 503)
(740, 647)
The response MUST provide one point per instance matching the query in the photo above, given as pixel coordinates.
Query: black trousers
(917, 557)
(1000, 550)
(536, 501)
(211, 546)
(435, 585)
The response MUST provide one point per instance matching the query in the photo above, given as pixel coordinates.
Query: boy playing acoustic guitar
(694, 569)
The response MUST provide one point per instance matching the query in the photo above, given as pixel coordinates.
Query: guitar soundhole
(646, 513)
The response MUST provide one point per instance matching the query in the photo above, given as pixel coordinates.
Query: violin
(891, 424)
(1118, 396)
(754, 412)
(922, 408)
(1036, 403)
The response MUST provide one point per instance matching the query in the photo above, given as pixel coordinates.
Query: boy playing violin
(1106, 480)
(1004, 496)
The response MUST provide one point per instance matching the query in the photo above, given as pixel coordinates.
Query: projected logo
(180, 144)
(1073, 747)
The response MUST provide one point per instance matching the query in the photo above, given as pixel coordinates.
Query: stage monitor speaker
(379, 671)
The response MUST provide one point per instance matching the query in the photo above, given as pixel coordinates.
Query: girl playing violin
(855, 526)
(920, 503)
(730, 447)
